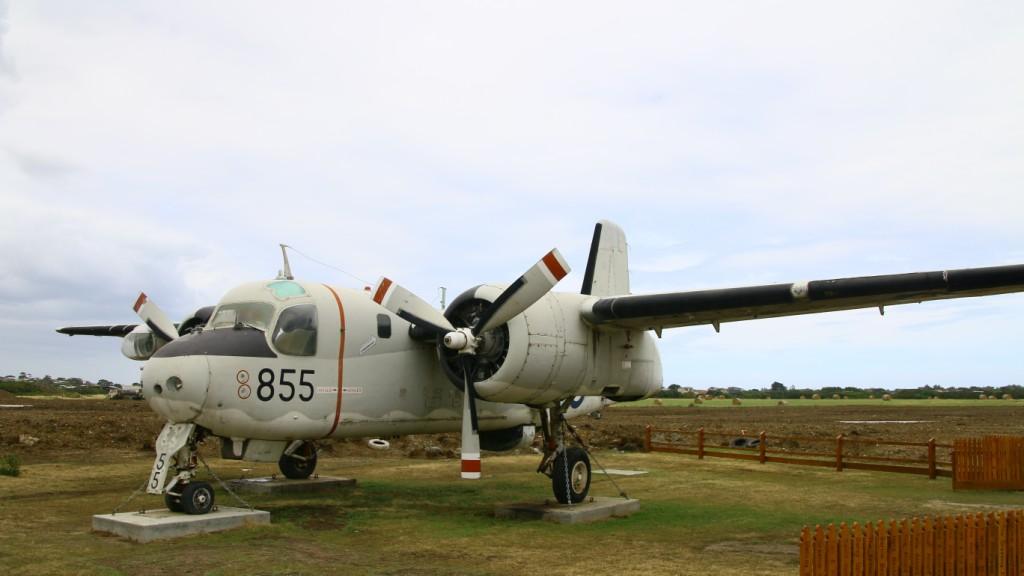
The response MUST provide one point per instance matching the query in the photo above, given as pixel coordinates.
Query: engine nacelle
(507, 439)
(548, 353)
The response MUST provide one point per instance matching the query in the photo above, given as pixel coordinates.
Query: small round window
(295, 333)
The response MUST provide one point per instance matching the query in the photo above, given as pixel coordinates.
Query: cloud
(174, 147)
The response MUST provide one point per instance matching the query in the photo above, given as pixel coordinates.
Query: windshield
(250, 314)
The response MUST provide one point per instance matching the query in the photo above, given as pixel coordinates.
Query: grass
(10, 465)
(415, 517)
(797, 403)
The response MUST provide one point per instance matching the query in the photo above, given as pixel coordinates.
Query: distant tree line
(26, 385)
(780, 391)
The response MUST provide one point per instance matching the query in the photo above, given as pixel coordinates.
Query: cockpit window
(295, 333)
(249, 314)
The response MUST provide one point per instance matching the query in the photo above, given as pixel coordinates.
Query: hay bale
(982, 397)
(871, 396)
(736, 402)
(658, 402)
(698, 400)
(780, 403)
(1007, 396)
(816, 397)
(802, 397)
(722, 397)
(992, 397)
(886, 397)
(835, 396)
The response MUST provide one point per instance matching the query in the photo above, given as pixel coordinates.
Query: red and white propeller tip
(155, 318)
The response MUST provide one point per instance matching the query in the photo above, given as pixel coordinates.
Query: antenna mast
(285, 274)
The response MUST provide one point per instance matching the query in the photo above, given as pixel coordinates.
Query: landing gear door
(172, 438)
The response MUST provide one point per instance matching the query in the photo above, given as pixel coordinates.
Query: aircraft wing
(120, 330)
(676, 309)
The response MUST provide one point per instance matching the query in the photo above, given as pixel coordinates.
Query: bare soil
(80, 425)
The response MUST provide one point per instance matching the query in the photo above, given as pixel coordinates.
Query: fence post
(931, 459)
(762, 446)
(700, 443)
(647, 438)
(839, 453)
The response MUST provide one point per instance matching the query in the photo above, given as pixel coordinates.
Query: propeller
(513, 301)
(155, 318)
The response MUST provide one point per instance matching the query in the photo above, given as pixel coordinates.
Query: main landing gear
(568, 467)
(298, 460)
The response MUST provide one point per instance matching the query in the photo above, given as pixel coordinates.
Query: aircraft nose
(176, 387)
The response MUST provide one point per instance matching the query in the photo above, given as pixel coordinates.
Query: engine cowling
(548, 353)
(507, 439)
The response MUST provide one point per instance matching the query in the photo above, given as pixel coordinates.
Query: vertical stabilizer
(607, 271)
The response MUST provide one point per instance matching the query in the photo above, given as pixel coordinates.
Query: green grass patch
(10, 465)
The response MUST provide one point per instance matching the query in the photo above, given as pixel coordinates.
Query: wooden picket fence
(972, 544)
(989, 462)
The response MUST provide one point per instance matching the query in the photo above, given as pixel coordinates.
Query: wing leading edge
(677, 309)
(120, 330)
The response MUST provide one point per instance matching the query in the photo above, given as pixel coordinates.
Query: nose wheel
(193, 498)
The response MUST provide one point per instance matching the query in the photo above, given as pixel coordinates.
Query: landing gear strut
(176, 450)
(568, 467)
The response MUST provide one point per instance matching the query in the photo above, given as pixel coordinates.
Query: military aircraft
(279, 365)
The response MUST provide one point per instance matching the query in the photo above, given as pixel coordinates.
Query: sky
(170, 147)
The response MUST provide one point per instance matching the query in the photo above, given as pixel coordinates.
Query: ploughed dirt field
(47, 427)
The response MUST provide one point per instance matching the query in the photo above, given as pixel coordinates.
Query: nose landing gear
(176, 449)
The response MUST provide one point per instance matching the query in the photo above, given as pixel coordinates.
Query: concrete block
(150, 525)
(282, 485)
(594, 510)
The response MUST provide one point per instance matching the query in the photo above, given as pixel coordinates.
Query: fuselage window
(295, 333)
(383, 326)
(247, 314)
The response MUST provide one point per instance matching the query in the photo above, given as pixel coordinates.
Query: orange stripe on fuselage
(341, 359)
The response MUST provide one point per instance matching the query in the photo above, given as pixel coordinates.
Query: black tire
(173, 502)
(299, 468)
(576, 461)
(197, 498)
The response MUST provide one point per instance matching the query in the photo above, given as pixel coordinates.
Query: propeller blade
(410, 307)
(155, 318)
(470, 431)
(521, 294)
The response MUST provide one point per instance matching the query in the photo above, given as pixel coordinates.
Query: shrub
(10, 465)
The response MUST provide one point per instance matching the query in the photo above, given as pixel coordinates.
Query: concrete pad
(150, 525)
(617, 472)
(282, 485)
(594, 510)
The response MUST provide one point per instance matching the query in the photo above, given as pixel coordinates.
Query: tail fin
(608, 266)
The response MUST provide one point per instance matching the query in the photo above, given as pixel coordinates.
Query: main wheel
(197, 498)
(299, 468)
(570, 476)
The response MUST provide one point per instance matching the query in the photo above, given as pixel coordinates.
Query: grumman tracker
(279, 365)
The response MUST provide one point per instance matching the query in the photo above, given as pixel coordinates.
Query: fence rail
(845, 454)
(972, 544)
